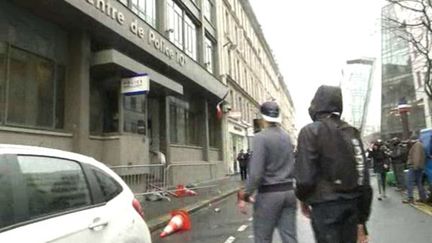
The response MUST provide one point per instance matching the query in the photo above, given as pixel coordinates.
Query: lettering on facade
(160, 44)
(154, 39)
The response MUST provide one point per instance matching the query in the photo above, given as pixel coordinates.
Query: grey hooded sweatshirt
(272, 161)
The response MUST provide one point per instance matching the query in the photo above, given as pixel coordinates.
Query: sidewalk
(157, 212)
(423, 207)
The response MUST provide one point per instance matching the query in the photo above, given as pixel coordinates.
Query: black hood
(327, 99)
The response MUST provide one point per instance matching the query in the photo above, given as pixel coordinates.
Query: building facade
(248, 68)
(397, 79)
(64, 64)
(61, 67)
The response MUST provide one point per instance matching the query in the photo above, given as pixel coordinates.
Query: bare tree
(413, 23)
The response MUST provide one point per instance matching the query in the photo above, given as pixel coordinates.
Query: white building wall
(249, 71)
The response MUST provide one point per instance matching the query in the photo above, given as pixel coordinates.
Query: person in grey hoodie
(271, 174)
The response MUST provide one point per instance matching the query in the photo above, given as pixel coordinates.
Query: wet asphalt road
(391, 222)
(209, 226)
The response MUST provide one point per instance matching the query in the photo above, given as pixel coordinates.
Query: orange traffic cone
(189, 192)
(179, 221)
(180, 191)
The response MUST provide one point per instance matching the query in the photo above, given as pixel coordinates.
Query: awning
(112, 56)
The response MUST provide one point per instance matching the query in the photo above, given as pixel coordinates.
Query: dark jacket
(272, 162)
(316, 150)
(241, 158)
(399, 154)
(379, 159)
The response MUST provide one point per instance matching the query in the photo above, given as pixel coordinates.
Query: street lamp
(403, 109)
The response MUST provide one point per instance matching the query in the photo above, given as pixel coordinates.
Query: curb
(423, 208)
(160, 222)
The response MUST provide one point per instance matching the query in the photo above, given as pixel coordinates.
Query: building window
(232, 99)
(33, 85)
(240, 105)
(246, 82)
(175, 23)
(190, 38)
(207, 11)
(184, 121)
(238, 72)
(230, 64)
(181, 29)
(214, 127)
(3, 59)
(208, 55)
(104, 105)
(145, 9)
(134, 114)
(227, 22)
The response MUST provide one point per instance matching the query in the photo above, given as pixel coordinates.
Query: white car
(48, 195)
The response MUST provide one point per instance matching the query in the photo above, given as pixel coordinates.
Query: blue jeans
(415, 179)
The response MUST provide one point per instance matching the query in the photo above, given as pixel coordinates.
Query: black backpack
(342, 157)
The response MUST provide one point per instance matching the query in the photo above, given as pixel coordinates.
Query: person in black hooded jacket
(338, 216)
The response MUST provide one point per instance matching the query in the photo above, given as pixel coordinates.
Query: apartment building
(251, 73)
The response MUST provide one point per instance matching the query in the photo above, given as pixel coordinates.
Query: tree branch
(417, 32)
(399, 3)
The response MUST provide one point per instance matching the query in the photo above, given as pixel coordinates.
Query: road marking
(230, 239)
(242, 228)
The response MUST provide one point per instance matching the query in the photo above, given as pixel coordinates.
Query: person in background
(241, 158)
(248, 156)
(380, 161)
(416, 163)
(399, 155)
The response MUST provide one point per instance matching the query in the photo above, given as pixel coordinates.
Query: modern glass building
(397, 79)
(356, 89)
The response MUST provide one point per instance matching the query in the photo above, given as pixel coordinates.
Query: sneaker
(408, 201)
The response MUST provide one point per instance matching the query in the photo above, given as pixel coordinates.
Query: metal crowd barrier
(143, 179)
(155, 178)
(170, 168)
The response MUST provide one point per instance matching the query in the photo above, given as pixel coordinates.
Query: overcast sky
(313, 39)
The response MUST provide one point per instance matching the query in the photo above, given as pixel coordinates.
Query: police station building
(117, 80)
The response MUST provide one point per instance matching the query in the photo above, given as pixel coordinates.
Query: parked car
(49, 195)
